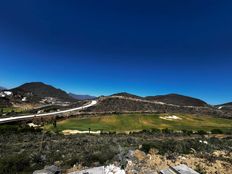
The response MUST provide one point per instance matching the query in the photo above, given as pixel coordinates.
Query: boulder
(139, 155)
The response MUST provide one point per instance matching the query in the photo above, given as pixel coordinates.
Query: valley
(125, 123)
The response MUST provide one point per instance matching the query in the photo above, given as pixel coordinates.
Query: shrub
(179, 147)
(14, 164)
(147, 146)
(102, 154)
(167, 131)
(187, 132)
(201, 132)
(154, 130)
(18, 128)
(216, 131)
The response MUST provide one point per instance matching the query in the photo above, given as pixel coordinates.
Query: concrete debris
(180, 169)
(111, 169)
(95, 170)
(48, 170)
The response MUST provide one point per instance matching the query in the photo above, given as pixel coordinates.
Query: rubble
(154, 163)
(48, 170)
(110, 169)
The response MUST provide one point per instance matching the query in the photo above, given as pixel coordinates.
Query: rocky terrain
(24, 150)
(140, 162)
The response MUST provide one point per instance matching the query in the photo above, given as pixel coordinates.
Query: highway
(23, 117)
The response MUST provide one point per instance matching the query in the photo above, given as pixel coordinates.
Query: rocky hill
(177, 99)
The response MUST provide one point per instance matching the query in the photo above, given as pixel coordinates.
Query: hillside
(42, 90)
(124, 105)
(177, 99)
(225, 107)
(127, 95)
(4, 102)
(226, 104)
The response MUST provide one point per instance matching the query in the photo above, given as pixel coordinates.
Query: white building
(7, 92)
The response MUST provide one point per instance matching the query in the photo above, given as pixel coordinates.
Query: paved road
(12, 119)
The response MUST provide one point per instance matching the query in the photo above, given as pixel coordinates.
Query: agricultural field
(138, 122)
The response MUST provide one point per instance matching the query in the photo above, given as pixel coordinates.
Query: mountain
(177, 99)
(2, 88)
(82, 97)
(174, 99)
(127, 95)
(226, 104)
(42, 90)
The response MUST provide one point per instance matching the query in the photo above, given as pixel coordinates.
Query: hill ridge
(42, 90)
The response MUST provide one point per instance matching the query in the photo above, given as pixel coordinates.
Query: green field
(11, 109)
(135, 122)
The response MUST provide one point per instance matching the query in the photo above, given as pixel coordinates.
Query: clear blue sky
(102, 47)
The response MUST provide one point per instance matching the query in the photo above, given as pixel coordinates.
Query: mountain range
(82, 97)
(120, 102)
(226, 104)
(2, 88)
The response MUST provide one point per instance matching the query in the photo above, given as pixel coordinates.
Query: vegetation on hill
(227, 107)
(125, 94)
(120, 105)
(226, 104)
(177, 99)
(5, 102)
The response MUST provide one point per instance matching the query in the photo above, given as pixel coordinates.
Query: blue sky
(104, 47)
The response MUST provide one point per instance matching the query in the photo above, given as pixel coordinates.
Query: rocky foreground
(141, 163)
(25, 151)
